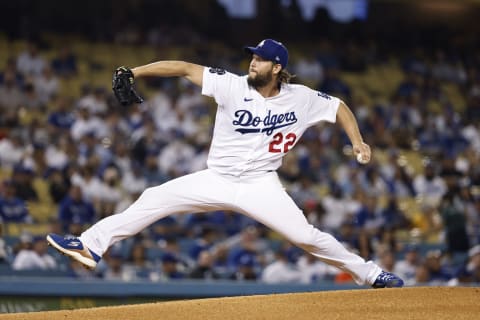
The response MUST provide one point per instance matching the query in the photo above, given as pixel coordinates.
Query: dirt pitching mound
(408, 303)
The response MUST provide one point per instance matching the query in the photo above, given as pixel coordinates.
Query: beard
(261, 80)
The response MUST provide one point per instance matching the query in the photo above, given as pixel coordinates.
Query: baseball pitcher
(260, 118)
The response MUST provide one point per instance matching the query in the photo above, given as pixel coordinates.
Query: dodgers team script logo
(271, 122)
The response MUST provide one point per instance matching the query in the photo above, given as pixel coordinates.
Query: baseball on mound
(360, 159)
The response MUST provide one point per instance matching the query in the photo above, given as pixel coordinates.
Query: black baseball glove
(122, 86)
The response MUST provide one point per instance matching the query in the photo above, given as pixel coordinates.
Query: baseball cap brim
(258, 51)
(253, 50)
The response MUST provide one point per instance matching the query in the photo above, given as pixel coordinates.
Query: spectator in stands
(11, 67)
(11, 95)
(303, 190)
(60, 153)
(355, 239)
(30, 62)
(337, 208)
(438, 273)
(85, 123)
(220, 262)
(111, 192)
(136, 117)
(282, 270)
(309, 70)
(313, 270)
(392, 216)
(474, 222)
(345, 182)
(137, 266)
(36, 160)
(65, 63)
(187, 124)
(175, 157)
(133, 181)
(169, 267)
(161, 110)
(401, 184)
(74, 209)
(115, 127)
(468, 272)
(204, 267)
(121, 159)
(452, 210)
(422, 275)
(449, 173)
(387, 260)
(61, 118)
(34, 258)
(245, 269)
(473, 266)
(146, 140)
(430, 185)
(368, 216)
(406, 267)
(373, 183)
(247, 243)
(90, 150)
(168, 228)
(204, 241)
(22, 179)
(12, 208)
(96, 102)
(46, 85)
(429, 222)
(333, 84)
(227, 222)
(152, 172)
(385, 239)
(12, 149)
(86, 178)
(114, 267)
(190, 101)
(5, 250)
(179, 251)
(313, 211)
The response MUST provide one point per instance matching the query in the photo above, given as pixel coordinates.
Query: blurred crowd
(96, 157)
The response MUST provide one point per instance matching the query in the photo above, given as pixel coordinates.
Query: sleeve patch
(324, 95)
(218, 71)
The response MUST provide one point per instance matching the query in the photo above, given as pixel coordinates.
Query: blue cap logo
(271, 50)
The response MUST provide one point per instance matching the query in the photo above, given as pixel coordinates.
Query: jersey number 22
(280, 143)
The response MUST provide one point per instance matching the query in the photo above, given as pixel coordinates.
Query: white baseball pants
(262, 198)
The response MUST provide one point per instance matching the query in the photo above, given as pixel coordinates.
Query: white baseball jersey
(253, 133)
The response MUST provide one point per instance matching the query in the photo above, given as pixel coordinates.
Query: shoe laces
(386, 276)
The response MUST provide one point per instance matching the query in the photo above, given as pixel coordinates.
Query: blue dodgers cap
(271, 50)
